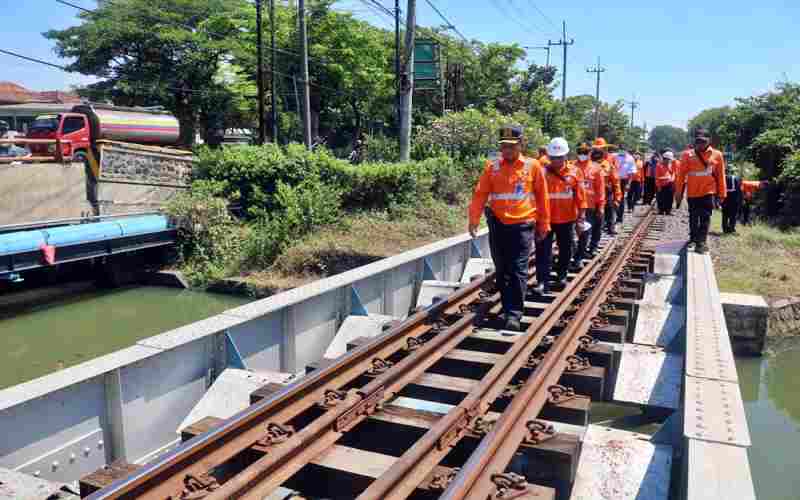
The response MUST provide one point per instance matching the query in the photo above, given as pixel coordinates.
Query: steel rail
(166, 476)
(483, 475)
(417, 463)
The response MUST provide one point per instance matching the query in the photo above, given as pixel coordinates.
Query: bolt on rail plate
(714, 412)
(708, 348)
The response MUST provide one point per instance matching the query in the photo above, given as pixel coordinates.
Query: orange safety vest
(613, 187)
(638, 176)
(565, 190)
(516, 193)
(699, 179)
(594, 184)
(749, 188)
(665, 174)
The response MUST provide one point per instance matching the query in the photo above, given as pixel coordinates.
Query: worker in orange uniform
(637, 179)
(567, 207)
(542, 158)
(613, 196)
(702, 174)
(519, 212)
(749, 188)
(665, 182)
(594, 188)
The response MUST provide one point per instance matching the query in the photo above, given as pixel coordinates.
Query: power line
(564, 44)
(187, 27)
(514, 7)
(543, 14)
(598, 70)
(447, 22)
(217, 35)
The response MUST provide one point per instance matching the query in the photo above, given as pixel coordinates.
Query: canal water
(771, 392)
(63, 333)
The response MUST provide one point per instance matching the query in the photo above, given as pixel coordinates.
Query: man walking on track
(613, 191)
(650, 179)
(702, 174)
(567, 207)
(635, 188)
(594, 188)
(733, 201)
(626, 167)
(519, 212)
(665, 183)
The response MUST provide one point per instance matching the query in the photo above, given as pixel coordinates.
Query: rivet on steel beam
(586, 342)
(413, 343)
(511, 390)
(482, 426)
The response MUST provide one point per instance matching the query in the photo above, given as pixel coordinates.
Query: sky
(674, 57)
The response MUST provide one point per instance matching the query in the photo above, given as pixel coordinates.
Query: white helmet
(558, 147)
(669, 155)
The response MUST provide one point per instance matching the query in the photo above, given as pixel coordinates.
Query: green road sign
(427, 65)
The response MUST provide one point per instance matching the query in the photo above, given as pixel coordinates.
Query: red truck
(81, 128)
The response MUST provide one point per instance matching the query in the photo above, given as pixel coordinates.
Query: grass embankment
(760, 260)
(360, 239)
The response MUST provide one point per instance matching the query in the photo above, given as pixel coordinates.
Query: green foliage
(299, 210)
(381, 148)
(713, 120)
(210, 238)
(667, 136)
(471, 133)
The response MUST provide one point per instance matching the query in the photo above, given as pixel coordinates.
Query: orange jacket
(566, 193)
(749, 188)
(639, 175)
(543, 160)
(516, 193)
(594, 184)
(613, 187)
(698, 179)
(665, 174)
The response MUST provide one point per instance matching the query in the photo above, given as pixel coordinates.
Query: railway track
(350, 428)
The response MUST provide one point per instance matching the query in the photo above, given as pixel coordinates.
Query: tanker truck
(118, 146)
(82, 128)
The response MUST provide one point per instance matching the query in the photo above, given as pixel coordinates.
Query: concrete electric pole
(597, 69)
(262, 128)
(564, 44)
(407, 82)
(306, 116)
(634, 106)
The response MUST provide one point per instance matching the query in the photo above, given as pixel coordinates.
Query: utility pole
(301, 15)
(547, 48)
(262, 128)
(597, 69)
(272, 61)
(634, 105)
(397, 62)
(407, 82)
(564, 44)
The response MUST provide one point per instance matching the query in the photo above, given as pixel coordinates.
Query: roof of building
(12, 93)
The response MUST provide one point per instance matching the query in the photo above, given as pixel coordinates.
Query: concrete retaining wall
(130, 403)
(42, 191)
(784, 318)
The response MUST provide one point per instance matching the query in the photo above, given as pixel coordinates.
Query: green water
(64, 333)
(771, 391)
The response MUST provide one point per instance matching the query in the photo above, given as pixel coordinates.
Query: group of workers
(533, 202)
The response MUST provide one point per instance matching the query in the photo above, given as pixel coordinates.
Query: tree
(155, 53)
(711, 119)
(667, 136)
